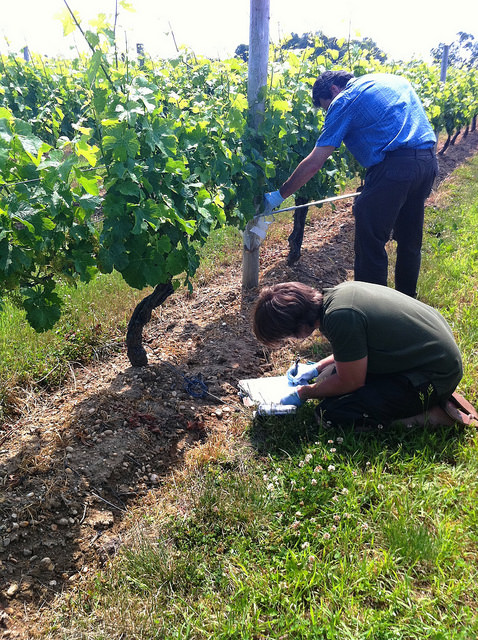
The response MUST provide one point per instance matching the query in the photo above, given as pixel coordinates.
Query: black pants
(393, 199)
(381, 400)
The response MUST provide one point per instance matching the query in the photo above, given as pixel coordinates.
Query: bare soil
(77, 459)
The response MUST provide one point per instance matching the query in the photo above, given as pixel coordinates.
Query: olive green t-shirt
(398, 334)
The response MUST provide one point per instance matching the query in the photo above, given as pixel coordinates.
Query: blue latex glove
(292, 398)
(302, 373)
(271, 201)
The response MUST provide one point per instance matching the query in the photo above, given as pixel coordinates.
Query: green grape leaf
(42, 306)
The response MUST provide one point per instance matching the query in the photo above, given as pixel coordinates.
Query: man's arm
(306, 170)
(349, 377)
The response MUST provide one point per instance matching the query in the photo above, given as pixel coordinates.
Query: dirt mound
(75, 461)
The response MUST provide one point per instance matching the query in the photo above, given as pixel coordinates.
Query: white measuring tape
(261, 222)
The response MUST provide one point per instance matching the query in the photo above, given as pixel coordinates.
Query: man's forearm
(305, 170)
(302, 174)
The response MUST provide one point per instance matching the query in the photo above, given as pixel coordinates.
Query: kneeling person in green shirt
(393, 357)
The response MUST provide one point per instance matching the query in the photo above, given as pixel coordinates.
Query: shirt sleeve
(346, 331)
(336, 124)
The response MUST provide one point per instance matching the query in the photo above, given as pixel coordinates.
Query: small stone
(27, 552)
(154, 478)
(12, 589)
(63, 522)
(47, 564)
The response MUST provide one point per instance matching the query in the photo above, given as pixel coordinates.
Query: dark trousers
(381, 400)
(393, 200)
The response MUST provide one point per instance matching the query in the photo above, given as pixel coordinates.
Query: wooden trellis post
(256, 87)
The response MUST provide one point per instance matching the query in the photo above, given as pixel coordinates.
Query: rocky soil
(75, 460)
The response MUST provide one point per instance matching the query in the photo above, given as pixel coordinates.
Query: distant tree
(242, 51)
(463, 52)
(320, 43)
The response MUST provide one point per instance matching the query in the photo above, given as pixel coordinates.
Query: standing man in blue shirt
(381, 120)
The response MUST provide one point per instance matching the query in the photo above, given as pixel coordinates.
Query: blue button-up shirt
(374, 114)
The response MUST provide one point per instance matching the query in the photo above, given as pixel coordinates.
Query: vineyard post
(444, 62)
(256, 87)
(443, 71)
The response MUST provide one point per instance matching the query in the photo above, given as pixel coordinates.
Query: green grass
(449, 274)
(335, 537)
(93, 322)
(298, 532)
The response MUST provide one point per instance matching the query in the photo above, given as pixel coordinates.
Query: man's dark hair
(284, 309)
(324, 82)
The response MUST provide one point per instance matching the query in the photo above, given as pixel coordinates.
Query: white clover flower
(340, 440)
(337, 517)
(344, 491)
(331, 467)
(298, 514)
(308, 457)
(333, 450)
(318, 468)
(270, 486)
(333, 528)
(326, 536)
(295, 524)
(305, 545)
(301, 463)
(330, 442)
(311, 559)
(347, 515)
(335, 498)
(380, 487)
(365, 526)
(313, 481)
(265, 477)
(293, 483)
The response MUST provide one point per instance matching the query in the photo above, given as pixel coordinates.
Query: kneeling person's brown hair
(283, 310)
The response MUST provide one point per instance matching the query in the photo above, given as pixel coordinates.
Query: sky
(404, 29)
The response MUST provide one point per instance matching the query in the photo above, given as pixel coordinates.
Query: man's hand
(272, 200)
(292, 398)
(302, 373)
